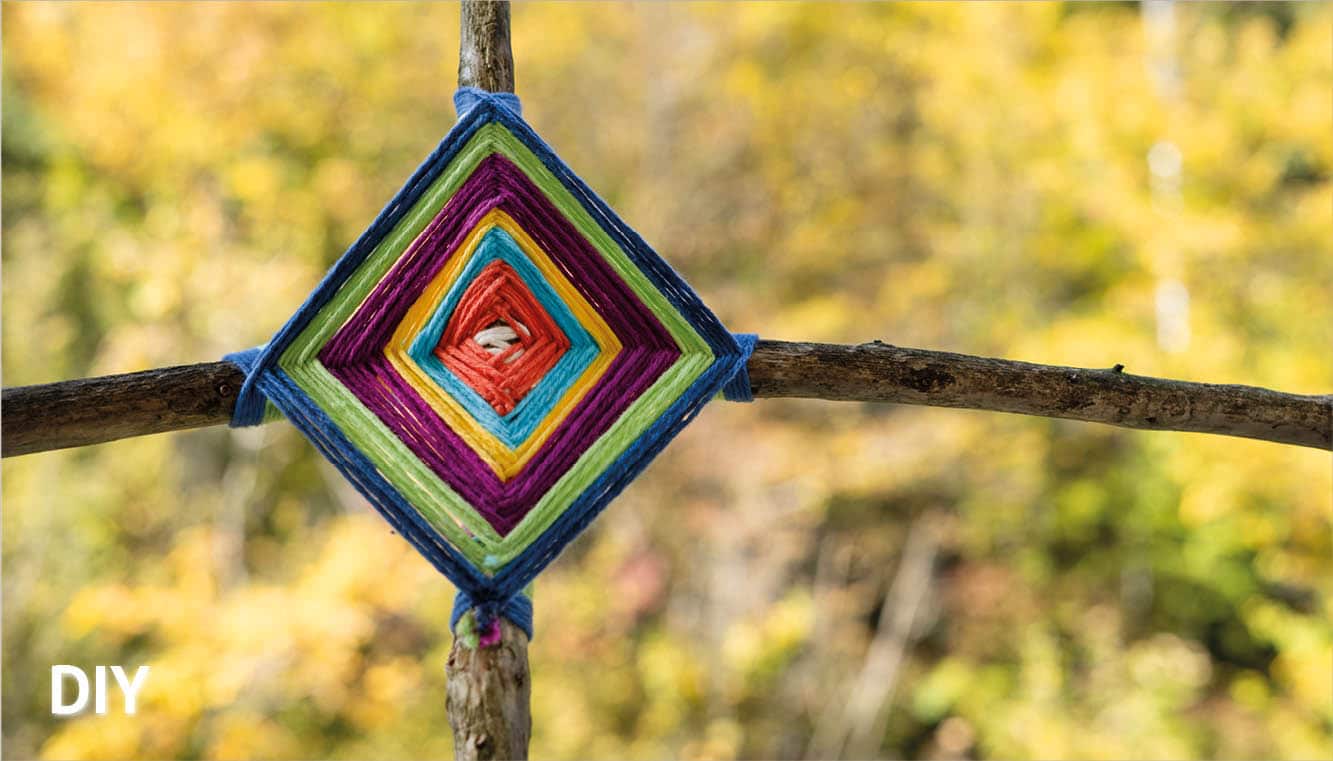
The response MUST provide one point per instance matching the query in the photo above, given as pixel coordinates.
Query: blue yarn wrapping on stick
(517, 608)
(737, 388)
(498, 595)
(468, 98)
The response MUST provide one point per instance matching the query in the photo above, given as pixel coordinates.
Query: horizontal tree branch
(94, 410)
(877, 372)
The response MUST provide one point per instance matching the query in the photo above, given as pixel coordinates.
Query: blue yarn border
(265, 380)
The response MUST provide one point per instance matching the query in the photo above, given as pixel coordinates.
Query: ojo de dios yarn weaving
(494, 359)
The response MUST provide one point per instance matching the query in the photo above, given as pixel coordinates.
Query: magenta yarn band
(354, 355)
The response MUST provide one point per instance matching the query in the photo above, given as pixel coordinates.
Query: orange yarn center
(499, 340)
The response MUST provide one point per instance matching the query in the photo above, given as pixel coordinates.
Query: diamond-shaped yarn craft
(494, 359)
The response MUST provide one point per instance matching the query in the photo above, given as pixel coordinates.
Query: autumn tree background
(1077, 184)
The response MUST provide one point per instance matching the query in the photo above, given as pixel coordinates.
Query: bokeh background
(1075, 184)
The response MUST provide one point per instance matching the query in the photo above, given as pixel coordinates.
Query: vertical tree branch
(485, 57)
(489, 696)
(489, 690)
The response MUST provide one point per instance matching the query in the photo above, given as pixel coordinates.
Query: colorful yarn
(737, 388)
(514, 428)
(494, 359)
(518, 609)
(500, 341)
(649, 351)
(529, 430)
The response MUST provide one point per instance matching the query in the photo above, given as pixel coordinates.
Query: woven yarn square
(494, 358)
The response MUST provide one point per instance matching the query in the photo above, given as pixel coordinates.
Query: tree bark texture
(485, 57)
(878, 372)
(489, 694)
(95, 410)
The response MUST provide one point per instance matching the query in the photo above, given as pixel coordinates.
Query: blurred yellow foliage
(1008, 179)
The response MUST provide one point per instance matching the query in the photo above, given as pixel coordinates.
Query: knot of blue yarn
(250, 400)
(737, 387)
(468, 98)
(517, 608)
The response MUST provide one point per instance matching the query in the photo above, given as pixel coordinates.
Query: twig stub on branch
(878, 372)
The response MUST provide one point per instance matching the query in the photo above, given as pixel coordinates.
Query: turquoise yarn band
(514, 428)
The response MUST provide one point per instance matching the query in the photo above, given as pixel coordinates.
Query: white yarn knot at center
(498, 338)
